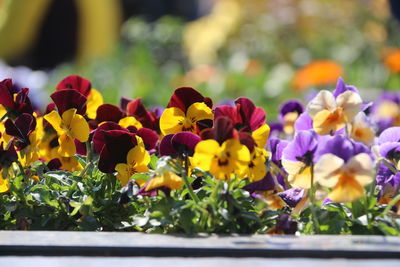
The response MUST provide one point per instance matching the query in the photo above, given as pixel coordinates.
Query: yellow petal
(168, 179)
(327, 170)
(79, 128)
(68, 116)
(95, 100)
(326, 122)
(351, 103)
(302, 179)
(171, 121)
(67, 146)
(199, 111)
(324, 100)
(4, 184)
(292, 167)
(204, 153)
(138, 155)
(346, 190)
(260, 135)
(70, 164)
(130, 121)
(362, 167)
(55, 120)
(123, 174)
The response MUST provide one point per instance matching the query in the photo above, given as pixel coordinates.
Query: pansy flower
(298, 158)
(137, 160)
(222, 160)
(386, 110)
(246, 117)
(388, 184)
(135, 108)
(114, 146)
(288, 114)
(345, 167)
(331, 112)
(389, 145)
(185, 110)
(7, 157)
(27, 136)
(179, 144)
(362, 129)
(68, 120)
(83, 86)
(15, 103)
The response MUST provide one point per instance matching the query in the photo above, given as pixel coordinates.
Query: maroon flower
(69, 98)
(23, 126)
(18, 105)
(245, 116)
(178, 144)
(109, 112)
(75, 82)
(185, 96)
(136, 109)
(117, 144)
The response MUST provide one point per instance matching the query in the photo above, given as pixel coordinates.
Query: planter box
(38, 243)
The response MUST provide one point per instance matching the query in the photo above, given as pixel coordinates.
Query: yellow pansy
(346, 179)
(68, 127)
(223, 161)
(137, 160)
(174, 120)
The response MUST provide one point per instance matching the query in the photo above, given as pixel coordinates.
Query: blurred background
(269, 51)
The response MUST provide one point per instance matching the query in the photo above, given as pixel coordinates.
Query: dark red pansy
(109, 112)
(21, 129)
(150, 137)
(153, 192)
(178, 144)
(221, 131)
(252, 116)
(136, 109)
(7, 156)
(117, 144)
(75, 82)
(21, 103)
(99, 136)
(68, 98)
(185, 96)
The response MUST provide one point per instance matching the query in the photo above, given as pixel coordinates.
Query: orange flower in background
(317, 73)
(392, 61)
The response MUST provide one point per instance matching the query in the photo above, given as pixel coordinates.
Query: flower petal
(351, 103)
(170, 119)
(328, 169)
(324, 100)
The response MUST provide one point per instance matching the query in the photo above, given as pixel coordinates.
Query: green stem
(186, 181)
(311, 195)
(89, 163)
(389, 165)
(111, 181)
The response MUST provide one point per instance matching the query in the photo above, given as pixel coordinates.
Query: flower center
(187, 125)
(223, 158)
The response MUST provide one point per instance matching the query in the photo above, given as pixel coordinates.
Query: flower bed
(331, 167)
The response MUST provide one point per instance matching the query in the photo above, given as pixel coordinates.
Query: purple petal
(165, 148)
(292, 196)
(303, 122)
(185, 142)
(301, 148)
(341, 87)
(389, 135)
(265, 184)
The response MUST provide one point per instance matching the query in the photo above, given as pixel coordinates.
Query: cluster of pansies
(213, 165)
